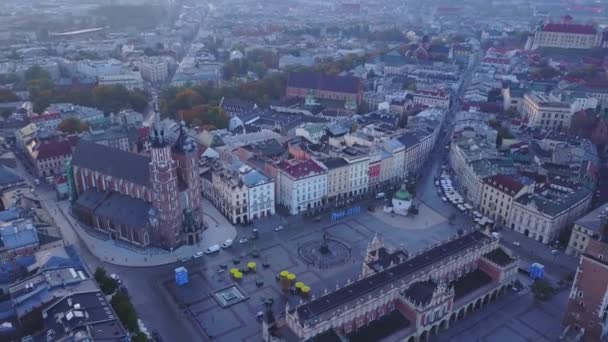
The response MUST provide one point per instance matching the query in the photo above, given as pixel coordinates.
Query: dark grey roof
(421, 291)
(7, 177)
(93, 317)
(125, 210)
(114, 162)
(315, 80)
(334, 163)
(408, 140)
(592, 221)
(119, 208)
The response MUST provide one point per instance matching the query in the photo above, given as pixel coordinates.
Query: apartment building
(586, 313)
(129, 79)
(338, 182)
(589, 227)
(498, 193)
(432, 98)
(238, 191)
(154, 69)
(302, 185)
(544, 213)
(540, 111)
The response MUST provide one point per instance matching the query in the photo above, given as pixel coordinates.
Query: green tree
(125, 311)
(73, 125)
(35, 73)
(106, 284)
(139, 337)
(542, 289)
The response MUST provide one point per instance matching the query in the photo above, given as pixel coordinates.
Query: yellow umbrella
(299, 285)
(305, 289)
(234, 270)
(251, 265)
(238, 275)
(284, 274)
(291, 277)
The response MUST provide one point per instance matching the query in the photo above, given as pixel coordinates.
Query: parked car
(444, 199)
(517, 244)
(243, 240)
(227, 243)
(182, 259)
(197, 255)
(554, 252)
(279, 228)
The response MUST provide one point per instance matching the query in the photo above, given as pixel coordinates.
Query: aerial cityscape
(319, 171)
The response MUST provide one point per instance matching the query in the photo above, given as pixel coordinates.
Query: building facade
(543, 214)
(586, 313)
(539, 111)
(302, 185)
(497, 196)
(587, 228)
(565, 35)
(144, 201)
(321, 86)
(424, 292)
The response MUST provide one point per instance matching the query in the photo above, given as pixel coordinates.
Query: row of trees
(198, 105)
(257, 61)
(109, 99)
(121, 303)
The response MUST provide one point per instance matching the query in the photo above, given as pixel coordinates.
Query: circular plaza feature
(324, 253)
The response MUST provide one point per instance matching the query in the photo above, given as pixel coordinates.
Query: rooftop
(378, 280)
(315, 80)
(120, 208)
(111, 161)
(504, 183)
(569, 28)
(300, 169)
(593, 220)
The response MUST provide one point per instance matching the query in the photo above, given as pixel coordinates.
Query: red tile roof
(504, 183)
(300, 169)
(54, 148)
(45, 117)
(569, 28)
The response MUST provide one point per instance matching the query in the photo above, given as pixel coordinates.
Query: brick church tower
(163, 179)
(185, 153)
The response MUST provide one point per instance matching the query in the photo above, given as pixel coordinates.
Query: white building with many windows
(543, 112)
(129, 79)
(543, 214)
(498, 193)
(301, 185)
(154, 69)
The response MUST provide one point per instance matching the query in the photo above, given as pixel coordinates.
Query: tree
(106, 284)
(36, 73)
(204, 115)
(125, 311)
(139, 337)
(542, 289)
(73, 125)
(6, 95)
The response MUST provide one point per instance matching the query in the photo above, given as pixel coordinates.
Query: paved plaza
(280, 249)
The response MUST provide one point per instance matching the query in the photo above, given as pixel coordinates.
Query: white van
(496, 235)
(212, 249)
(380, 195)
